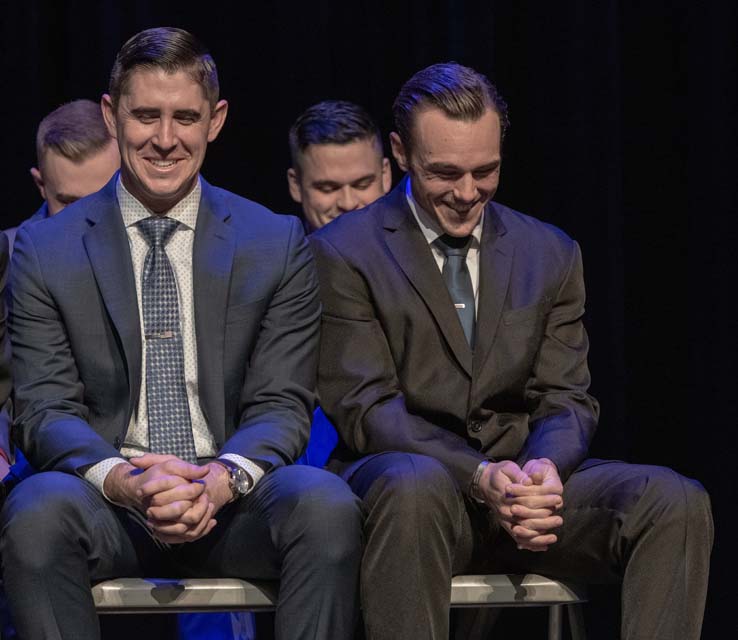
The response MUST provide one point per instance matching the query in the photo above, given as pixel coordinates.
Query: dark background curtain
(623, 133)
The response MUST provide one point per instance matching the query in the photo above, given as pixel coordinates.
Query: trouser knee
(43, 515)
(413, 491)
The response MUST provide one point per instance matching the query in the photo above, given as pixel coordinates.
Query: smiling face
(335, 178)
(163, 124)
(454, 166)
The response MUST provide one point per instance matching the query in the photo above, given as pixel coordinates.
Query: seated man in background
(338, 162)
(165, 343)
(76, 156)
(338, 165)
(454, 365)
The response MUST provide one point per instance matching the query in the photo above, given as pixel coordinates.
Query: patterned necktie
(459, 281)
(170, 429)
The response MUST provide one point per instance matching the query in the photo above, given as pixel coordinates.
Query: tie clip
(162, 335)
(460, 305)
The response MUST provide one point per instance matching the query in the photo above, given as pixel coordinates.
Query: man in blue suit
(165, 342)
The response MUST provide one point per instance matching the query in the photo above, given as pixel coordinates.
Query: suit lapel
(495, 265)
(212, 263)
(411, 251)
(109, 253)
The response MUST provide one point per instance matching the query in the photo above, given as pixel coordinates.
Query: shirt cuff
(97, 473)
(253, 469)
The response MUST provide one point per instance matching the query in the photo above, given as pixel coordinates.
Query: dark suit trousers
(646, 527)
(300, 525)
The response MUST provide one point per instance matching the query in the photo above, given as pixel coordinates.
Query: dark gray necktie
(170, 429)
(458, 280)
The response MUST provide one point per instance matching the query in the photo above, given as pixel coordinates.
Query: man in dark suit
(453, 362)
(165, 340)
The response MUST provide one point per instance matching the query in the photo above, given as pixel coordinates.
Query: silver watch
(239, 480)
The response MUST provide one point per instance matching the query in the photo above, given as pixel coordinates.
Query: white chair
(143, 595)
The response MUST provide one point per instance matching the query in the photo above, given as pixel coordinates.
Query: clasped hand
(525, 500)
(179, 499)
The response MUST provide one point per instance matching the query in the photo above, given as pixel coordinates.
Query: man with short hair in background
(338, 162)
(338, 165)
(76, 156)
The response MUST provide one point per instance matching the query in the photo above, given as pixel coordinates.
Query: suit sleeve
(278, 395)
(358, 383)
(563, 416)
(50, 413)
(5, 380)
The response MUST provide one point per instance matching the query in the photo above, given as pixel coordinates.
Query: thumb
(516, 474)
(187, 470)
(148, 460)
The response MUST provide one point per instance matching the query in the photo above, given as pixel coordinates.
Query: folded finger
(169, 512)
(542, 525)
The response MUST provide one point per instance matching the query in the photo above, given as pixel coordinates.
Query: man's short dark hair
(460, 92)
(169, 49)
(76, 130)
(331, 122)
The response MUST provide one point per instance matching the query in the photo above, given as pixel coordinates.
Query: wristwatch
(239, 479)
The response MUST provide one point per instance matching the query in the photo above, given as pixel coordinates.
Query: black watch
(239, 480)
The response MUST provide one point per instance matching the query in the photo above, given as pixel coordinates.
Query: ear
(386, 175)
(217, 119)
(39, 180)
(293, 181)
(108, 112)
(399, 151)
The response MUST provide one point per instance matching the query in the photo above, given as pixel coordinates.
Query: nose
(165, 138)
(347, 200)
(465, 189)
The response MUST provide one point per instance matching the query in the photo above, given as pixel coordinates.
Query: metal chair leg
(554, 622)
(576, 622)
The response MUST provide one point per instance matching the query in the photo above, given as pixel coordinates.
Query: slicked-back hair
(460, 92)
(166, 48)
(76, 130)
(332, 122)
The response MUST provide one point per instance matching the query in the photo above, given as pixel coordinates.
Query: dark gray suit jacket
(77, 343)
(396, 372)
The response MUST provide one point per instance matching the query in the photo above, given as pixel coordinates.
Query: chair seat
(137, 595)
(512, 590)
(146, 595)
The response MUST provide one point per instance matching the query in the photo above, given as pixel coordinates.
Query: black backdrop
(623, 133)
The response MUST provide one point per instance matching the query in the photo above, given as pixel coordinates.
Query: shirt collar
(133, 210)
(428, 224)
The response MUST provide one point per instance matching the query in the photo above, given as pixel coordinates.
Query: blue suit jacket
(77, 343)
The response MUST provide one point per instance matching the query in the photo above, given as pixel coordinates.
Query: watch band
(474, 490)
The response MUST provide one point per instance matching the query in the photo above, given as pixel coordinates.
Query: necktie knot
(453, 246)
(157, 230)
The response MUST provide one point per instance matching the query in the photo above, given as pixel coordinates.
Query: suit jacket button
(476, 426)
(116, 442)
